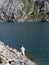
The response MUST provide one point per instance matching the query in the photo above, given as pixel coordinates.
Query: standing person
(23, 50)
(23, 53)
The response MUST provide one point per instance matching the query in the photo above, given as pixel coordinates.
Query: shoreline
(7, 53)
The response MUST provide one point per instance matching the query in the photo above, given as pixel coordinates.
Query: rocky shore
(13, 56)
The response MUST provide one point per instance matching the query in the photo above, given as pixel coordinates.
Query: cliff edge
(12, 56)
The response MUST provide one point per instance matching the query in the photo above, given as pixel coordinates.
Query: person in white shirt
(23, 50)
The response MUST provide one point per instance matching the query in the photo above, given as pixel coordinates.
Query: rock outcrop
(10, 10)
(13, 56)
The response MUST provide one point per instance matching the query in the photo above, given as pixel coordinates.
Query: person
(23, 50)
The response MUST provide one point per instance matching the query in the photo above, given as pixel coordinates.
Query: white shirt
(23, 50)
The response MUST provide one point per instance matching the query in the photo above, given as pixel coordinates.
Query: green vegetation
(35, 10)
(35, 15)
(27, 6)
(27, 9)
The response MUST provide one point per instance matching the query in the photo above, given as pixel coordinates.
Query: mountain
(24, 10)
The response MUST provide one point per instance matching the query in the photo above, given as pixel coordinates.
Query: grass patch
(27, 6)
(36, 10)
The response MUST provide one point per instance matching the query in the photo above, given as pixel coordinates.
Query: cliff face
(24, 10)
(10, 10)
(12, 56)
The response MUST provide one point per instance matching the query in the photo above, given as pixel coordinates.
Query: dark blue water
(34, 36)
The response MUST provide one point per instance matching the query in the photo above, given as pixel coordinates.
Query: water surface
(34, 36)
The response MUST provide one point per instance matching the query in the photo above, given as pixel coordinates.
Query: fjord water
(34, 36)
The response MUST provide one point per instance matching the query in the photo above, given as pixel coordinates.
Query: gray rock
(28, 62)
(10, 9)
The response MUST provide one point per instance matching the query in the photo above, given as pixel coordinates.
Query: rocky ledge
(12, 56)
